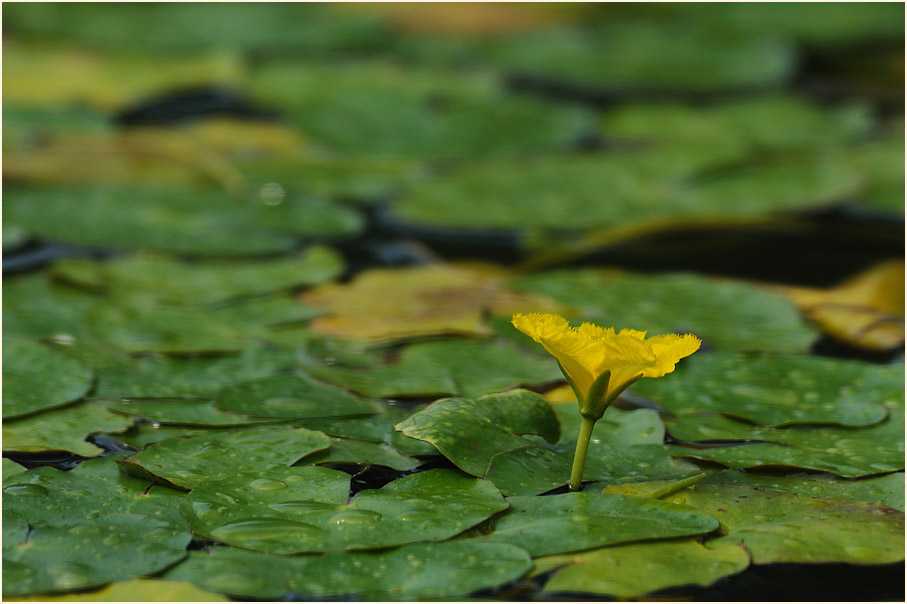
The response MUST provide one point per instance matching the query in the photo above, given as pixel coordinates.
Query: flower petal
(577, 353)
(668, 350)
(628, 357)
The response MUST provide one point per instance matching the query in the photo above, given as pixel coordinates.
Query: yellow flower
(600, 363)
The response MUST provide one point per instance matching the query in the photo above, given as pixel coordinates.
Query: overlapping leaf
(63, 429)
(36, 378)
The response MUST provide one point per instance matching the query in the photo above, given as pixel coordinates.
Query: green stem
(579, 458)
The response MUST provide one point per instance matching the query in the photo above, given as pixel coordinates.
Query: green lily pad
(193, 377)
(653, 489)
(34, 306)
(184, 462)
(137, 590)
(887, 489)
(172, 282)
(728, 315)
(345, 450)
(641, 57)
(89, 553)
(535, 470)
(882, 164)
(376, 429)
(419, 571)
(239, 572)
(11, 468)
(848, 452)
(93, 489)
(469, 432)
(292, 396)
(448, 367)
(632, 571)
(578, 521)
(786, 527)
(144, 433)
(142, 218)
(14, 237)
(616, 429)
(736, 130)
(63, 429)
(36, 378)
(427, 506)
(182, 413)
(381, 109)
(779, 390)
(647, 189)
(137, 325)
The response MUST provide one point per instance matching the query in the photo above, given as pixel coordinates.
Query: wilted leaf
(866, 310)
(398, 303)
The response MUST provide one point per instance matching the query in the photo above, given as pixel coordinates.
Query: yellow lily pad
(398, 303)
(866, 310)
(136, 590)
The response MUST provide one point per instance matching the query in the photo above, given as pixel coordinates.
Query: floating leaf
(281, 515)
(446, 367)
(470, 432)
(866, 310)
(138, 326)
(417, 571)
(11, 468)
(34, 306)
(632, 571)
(89, 553)
(616, 429)
(780, 390)
(182, 412)
(849, 452)
(93, 490)
(63, 429)
(184, 462)
(653, 489)
(727, 315)
(345, 450)
(292, 396)
(36, 378)
(781, 527)
(375, 428)
(577, 521)
(195, 284)
(438, 299)
(887, 489)
(137, 590)
(380, 109)
(192, 377)
(239, 572)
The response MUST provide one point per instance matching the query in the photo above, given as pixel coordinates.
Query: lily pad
(63, 429)
(727, 315)
(136, 325)
(292, 396)
(578, 521)
(426, 571)
(781, 527)
(137, 590)
(632, 571)
(89, 553)
(173, 282)
(181, 412)
(93, 490)
(653, 489)
(184, 462)
(193, 377)
(142, 218)
(887, 489)
(36, 307)
(285, 518)
(616, 429)
(345, 450)
(470, 432)
(647, 189)
(36, 378)
(635, 56)
(239, 572)
(848, 452)
(11, 468)
(438, 299)
(780, 390)
(380, 109)
(447, 367)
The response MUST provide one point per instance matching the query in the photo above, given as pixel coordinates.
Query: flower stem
(579, 458)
